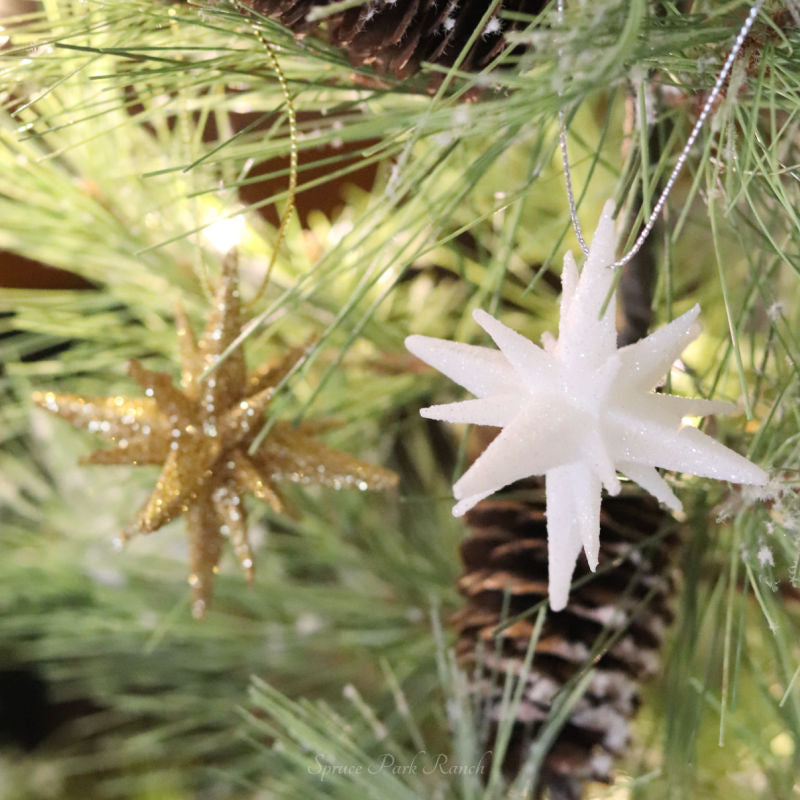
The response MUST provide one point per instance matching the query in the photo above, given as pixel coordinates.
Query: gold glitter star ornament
(201, 433)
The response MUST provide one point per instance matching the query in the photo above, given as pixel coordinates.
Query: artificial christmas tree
(138, 143)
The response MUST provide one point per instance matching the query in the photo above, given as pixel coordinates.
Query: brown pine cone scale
(616, 618)
(396, 36)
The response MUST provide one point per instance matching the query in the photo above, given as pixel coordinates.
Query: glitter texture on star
(201, 434)
(578, 411)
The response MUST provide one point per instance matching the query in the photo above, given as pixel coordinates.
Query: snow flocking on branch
(578, 410)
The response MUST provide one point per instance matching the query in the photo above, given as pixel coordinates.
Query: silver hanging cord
(562, 140)
(708, 105)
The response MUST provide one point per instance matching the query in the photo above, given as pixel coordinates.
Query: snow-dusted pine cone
(396, 36)
(616, 618)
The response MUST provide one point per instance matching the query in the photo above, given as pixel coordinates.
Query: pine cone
(616, 616)
(398, 35)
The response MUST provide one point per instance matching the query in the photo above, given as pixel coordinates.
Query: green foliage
(129, 135)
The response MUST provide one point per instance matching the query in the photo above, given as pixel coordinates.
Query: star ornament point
(579, 411)
(200, 432)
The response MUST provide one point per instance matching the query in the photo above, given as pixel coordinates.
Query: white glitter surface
(578, 410)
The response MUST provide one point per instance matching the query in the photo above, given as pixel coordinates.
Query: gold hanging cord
(292, 120)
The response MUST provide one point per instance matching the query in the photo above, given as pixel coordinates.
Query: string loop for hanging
(562, 140)
(291, 117)
(684, 154)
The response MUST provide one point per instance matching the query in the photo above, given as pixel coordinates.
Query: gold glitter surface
(201, 433)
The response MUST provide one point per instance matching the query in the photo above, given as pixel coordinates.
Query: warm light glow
(225, 234)
(782, 745)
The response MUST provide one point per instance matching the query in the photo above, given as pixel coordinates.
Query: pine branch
(131, 136)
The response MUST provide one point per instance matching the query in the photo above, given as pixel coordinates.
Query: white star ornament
(578, 411)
